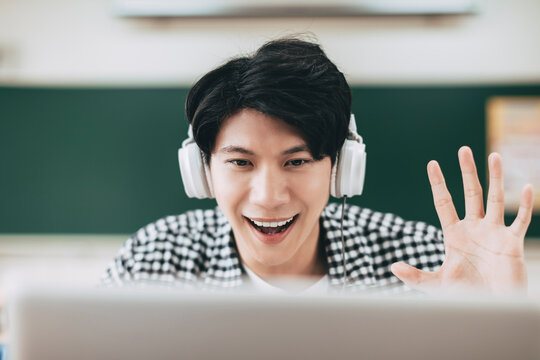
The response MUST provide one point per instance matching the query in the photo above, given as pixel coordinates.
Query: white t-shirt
(259, 285)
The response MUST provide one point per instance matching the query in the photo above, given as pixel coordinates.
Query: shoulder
(193, 226)
(364, 221)
(384, 238)
(170, 248)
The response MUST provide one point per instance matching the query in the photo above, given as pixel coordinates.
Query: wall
(67, 42)
(104, 160)
(81, 43)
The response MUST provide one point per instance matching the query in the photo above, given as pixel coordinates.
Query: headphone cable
(343, 243)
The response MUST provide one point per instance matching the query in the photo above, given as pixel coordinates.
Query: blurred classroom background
(92, 109)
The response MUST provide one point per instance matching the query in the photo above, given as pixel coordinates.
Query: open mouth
(272, 228)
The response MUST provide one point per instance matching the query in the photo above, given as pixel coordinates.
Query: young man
(269, 129)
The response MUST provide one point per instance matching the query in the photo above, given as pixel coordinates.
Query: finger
(495, 201)
(474, 202)
(441, 197)
(413, 277)
(523, 218)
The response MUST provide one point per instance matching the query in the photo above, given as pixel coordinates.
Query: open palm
(482, 253)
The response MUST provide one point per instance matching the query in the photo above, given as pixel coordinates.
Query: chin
(271, 261)
(268, 255)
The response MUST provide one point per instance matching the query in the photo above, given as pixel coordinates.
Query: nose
(269, 188)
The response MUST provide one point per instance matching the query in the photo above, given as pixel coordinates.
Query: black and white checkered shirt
(198, 247)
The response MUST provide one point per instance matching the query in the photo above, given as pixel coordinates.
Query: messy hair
(290, 79)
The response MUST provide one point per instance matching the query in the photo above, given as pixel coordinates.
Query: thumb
(413, 277)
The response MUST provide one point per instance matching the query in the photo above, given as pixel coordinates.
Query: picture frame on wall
(513, 130)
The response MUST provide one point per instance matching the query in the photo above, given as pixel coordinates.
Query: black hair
(288, 78)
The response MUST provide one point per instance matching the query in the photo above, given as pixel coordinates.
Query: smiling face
(272, 191)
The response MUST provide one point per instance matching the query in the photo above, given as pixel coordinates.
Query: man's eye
(298, 162)
(239, 163)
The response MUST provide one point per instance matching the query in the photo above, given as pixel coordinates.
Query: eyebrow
(238, 149)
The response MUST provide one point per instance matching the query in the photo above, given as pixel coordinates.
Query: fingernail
(432, 165)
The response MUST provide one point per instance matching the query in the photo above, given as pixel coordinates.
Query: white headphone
(347, 177)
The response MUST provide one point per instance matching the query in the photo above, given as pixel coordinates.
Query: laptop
(84, 324)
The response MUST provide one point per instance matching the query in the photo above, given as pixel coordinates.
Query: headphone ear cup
(349, 170)
(195, 173)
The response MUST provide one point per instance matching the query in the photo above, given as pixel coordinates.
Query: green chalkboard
(103, 160)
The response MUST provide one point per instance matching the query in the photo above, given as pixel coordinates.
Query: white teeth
(271, 224)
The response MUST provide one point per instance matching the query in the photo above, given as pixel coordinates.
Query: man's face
(271, 190)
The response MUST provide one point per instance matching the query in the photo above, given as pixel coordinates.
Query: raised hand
(482, 253)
